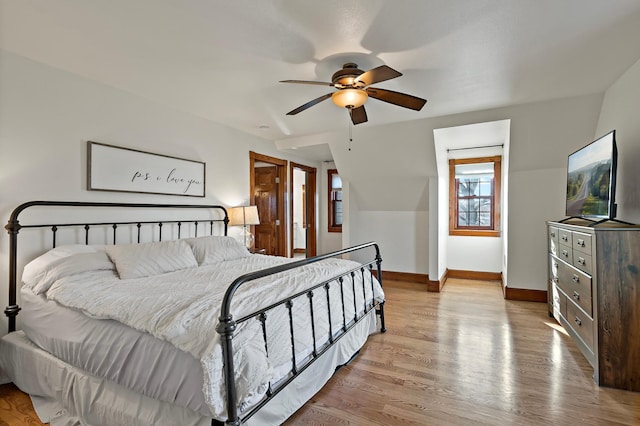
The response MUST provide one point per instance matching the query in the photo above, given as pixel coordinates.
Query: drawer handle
(576, 296)
(580, 242)
(581, 260)
(577, 321)
(575, 278)
(565, 253)
(565, 238)
(553, 235)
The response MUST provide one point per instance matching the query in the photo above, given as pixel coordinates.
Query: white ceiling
(222, 60)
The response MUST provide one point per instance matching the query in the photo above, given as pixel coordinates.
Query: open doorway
(302, 193)
(267, 179)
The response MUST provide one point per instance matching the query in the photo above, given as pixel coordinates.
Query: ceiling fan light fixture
(353, 90)
(349, 98)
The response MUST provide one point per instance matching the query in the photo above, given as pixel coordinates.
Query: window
(335, 201)
(474, 196)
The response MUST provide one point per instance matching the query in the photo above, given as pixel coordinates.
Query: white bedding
(182, 308)
(109, 349)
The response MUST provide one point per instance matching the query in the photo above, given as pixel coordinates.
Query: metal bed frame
(227, 325)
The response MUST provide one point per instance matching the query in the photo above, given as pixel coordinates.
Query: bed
(155, 321)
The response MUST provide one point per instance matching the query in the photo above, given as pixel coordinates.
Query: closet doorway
(267, 179)
(302, 193)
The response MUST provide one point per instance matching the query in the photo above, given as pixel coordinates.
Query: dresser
(594, 293)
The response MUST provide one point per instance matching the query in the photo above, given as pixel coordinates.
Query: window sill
(474, 233)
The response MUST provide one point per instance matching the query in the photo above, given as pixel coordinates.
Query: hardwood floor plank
(15, 407)
(464, 356)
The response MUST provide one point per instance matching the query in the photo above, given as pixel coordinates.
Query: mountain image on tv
(588, 190)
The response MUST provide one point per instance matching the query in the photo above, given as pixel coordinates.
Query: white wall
(389, 191)
(541, 197)
(481, 254)
(620, 112)
(47, 116)
(443, 219)
(406, 230)
(434, 223)
(504, 214)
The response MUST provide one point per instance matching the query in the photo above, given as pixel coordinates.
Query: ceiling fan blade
(318, 83)
(397, 98)
(358, 115)
(310, 104)
(376, 75)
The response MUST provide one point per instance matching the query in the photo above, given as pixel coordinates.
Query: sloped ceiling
(222, 60)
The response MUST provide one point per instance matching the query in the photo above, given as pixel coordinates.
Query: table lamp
(245, 216)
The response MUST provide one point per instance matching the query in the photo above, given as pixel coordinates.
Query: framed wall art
(113, 168)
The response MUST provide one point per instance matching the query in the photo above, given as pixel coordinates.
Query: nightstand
(257, 251)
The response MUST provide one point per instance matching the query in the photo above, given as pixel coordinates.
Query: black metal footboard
(228, 325)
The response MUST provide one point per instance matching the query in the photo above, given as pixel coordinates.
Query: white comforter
(183, 308)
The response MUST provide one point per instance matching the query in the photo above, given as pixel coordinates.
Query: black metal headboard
(14, 226)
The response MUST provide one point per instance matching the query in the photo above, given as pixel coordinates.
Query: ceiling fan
(353, 90)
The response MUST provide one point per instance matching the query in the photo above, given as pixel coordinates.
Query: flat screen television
(591, 179)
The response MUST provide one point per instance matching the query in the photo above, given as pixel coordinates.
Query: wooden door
(265, 195)
(271, 238)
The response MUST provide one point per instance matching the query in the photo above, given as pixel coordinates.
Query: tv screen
(591, 176)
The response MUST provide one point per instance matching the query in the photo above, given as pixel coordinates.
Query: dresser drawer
(577, 285)
(581, 324)
(583, 262)
(565, 238)
(582, 242)
(565, 253)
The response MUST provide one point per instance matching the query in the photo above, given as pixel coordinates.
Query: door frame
(281, 174)
(310, 195)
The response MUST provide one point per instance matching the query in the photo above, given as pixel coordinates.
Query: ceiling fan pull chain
(350, 129)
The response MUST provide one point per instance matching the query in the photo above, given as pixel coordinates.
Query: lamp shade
(349, 98)
(244, 215)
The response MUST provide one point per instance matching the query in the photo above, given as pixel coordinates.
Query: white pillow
(71, 265)
(38, 267)
(216, 248)
(147, 259)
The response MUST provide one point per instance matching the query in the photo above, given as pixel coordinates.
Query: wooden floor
(466, 356)
(461, 357)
